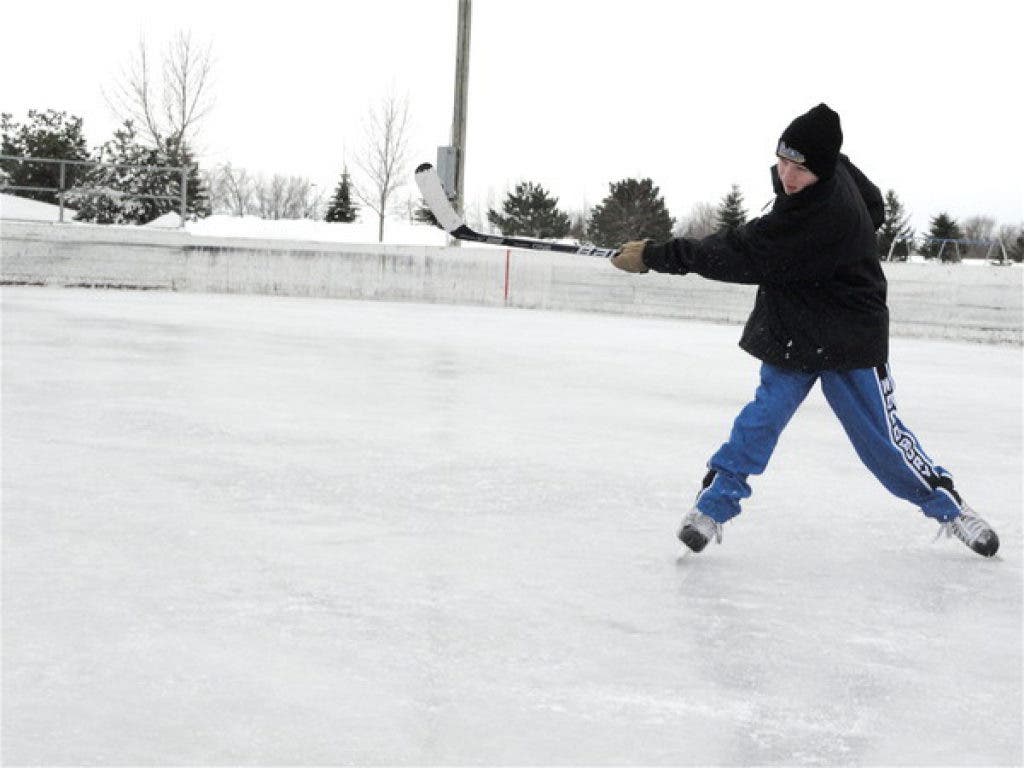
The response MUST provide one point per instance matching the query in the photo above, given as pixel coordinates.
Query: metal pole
(60, 194)
(461, 93)
(184, 195)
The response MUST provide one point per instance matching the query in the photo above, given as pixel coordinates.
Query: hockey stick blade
(434, 196)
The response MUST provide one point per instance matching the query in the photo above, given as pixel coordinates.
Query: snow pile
(396, 231)
(21, 208)
(169, 220)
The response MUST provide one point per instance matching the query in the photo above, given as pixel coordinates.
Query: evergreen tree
(896, 228)
(943, 227)
(135, 184)
(48, 134)
(528, 211)
(176, 154)
(731, 213)
(1015, 248)
(634, 210)
(105, 195)
(424, 215)
(342, 209)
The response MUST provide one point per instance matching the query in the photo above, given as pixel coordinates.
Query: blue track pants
(863, 401)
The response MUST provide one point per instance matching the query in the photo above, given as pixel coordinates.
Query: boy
(820, 315)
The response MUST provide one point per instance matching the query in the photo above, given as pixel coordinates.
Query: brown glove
(630, 257)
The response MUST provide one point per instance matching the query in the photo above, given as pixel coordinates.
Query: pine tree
(943, 227)
(530, 212)
(176, 154)
(731, 213)
(342, 209)
(48, 134)
(424, 215)
(633, 210)
(896, 228)
(105, 195)
(135, 184)
(1015, 249)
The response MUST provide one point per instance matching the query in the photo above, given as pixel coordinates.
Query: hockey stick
(433, 194)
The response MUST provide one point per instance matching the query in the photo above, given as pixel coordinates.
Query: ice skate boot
(698, 529)
(972, 531)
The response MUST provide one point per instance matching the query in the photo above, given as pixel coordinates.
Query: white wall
(981, 303)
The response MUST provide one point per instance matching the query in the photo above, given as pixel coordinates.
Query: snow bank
(23, 209)
(396, 231)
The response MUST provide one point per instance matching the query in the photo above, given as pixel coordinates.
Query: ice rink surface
(246, 530)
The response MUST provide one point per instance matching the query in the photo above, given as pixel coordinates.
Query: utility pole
(461, 93)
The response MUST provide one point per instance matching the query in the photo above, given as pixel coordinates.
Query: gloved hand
(630, 257)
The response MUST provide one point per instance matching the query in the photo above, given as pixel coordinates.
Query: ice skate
(698, 529)
(972, 531)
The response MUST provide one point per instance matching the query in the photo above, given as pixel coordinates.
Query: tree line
(136, 176)
(635, 210)
(149, 165)
(134, 179)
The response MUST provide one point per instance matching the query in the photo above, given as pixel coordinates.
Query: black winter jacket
(821, 296)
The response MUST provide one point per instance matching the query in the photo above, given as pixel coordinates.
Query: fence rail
(61, 190)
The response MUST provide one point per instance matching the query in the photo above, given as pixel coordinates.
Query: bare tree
(701, 221)
(231, 190)
(238, 192)
(169, 98)
(384, 156)
(979, 229)
(284, 197)
(313, 203)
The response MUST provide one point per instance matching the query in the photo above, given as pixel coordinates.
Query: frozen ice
(261, 530)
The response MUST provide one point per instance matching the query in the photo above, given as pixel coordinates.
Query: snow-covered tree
(135, 184)
(46, 134)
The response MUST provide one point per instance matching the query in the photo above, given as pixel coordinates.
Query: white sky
(575, 94)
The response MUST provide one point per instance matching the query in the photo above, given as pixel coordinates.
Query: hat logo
(791, 154)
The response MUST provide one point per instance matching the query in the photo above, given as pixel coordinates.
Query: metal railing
(62, 191)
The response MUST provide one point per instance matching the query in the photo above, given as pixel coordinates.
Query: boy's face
(794, 177)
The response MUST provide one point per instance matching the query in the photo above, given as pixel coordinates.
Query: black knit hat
(813, 140)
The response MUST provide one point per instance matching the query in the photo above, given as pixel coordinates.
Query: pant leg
(863, 400)
(753, 438)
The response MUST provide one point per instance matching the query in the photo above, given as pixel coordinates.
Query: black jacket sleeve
(803, 239)
(796, 242)
(871, 194)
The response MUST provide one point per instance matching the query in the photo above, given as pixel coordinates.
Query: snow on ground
(255, 531)
(24, 209)
(396, 231)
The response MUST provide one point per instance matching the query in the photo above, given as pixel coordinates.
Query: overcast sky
(575, 94)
